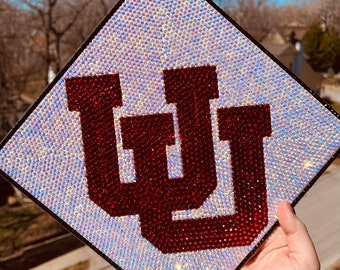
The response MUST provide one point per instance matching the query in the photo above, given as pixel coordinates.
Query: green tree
(322, 47)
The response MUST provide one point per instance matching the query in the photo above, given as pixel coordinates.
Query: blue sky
(282, 2)
(277, 2)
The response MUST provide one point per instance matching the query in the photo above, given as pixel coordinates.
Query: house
(288, 55)
(285, 44)
(285, 34)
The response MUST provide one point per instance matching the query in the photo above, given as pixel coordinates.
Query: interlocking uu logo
(154, 196)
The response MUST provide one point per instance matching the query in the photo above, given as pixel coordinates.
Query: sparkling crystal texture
(267, 133)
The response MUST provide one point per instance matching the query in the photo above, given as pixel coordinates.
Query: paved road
(320, 211)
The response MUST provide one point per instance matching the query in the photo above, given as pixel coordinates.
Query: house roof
(277, 49)
(282, 34)
(299, 31)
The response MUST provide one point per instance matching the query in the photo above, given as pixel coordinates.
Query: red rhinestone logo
(154, 196)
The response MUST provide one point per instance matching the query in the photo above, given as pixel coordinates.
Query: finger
(276, 240)
(300, 244)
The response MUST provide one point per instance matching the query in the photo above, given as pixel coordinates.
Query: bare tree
(18, 63)
(53, 20)
(301, 14)
(86, 23)
(328, 12)
(255, 16)
(33, 39)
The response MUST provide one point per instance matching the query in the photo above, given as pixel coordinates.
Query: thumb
(300, 244)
